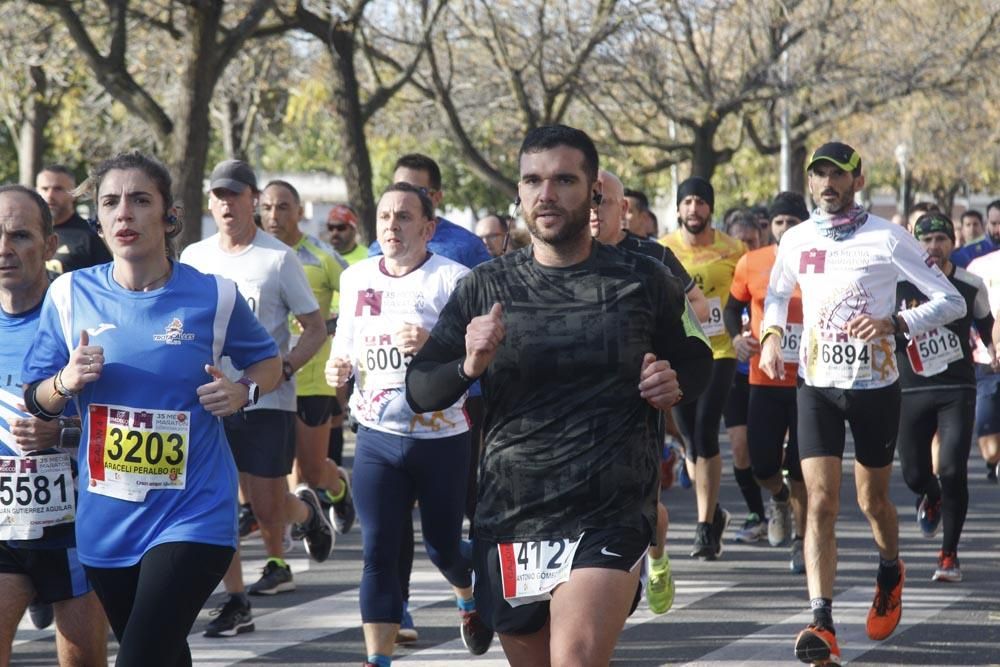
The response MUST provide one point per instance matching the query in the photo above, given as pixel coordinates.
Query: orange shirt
(753, 273)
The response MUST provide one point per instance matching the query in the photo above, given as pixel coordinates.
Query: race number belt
(713, 327)
(931, 352)
(791, 342)
(35, 492)
(382, 364)
(531, 570)
(837, 360)
(132, 451)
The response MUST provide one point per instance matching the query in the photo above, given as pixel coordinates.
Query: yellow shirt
(711, 267)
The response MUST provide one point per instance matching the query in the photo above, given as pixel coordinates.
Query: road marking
(449, 653)
(774, 645)
(291, 626)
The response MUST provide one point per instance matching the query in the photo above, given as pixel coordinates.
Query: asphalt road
(745, 608)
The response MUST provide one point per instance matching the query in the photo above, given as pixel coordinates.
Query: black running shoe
(476, 635)
(273, 579)
(248, 522)
(231, 618)
(702, 547)
(719, 524)
(316, 534)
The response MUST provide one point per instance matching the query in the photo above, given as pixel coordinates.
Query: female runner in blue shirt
(136, 344)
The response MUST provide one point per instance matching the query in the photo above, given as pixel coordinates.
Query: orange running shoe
(817, 646)
(887, 608)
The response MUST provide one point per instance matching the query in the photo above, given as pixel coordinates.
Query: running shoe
(797, 563)
(476, 635)
(948, 568)
(342, 513)
(273, 579)
(659, 585)
(702, 547)
(719, 524)
(41, 614)
(231, 618)
(887, 608)
(248, 522)
(779, 524)
(928, 516)
(754, 529)
(407, 632)
(817, 646)
(992, 472)
(316, 533)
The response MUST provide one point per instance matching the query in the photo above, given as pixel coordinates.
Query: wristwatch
(69, 433)
(253, 391)
(287, 370)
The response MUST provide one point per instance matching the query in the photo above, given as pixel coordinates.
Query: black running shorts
(315, 410)
(612, 548)
(55, 574)
(262, 441)
(872, 413)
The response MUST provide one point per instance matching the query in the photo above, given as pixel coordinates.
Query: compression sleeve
(433, 380)
(732, 315)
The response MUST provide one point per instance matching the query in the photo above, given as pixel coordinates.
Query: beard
(575, 223)
(843, 202)
(694, 224)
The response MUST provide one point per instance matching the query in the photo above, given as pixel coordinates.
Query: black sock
(888, 573)
(822, 609)
(750, 490)
(782, 496)
(242, 597)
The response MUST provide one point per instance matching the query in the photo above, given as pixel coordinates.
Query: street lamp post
(902, 157)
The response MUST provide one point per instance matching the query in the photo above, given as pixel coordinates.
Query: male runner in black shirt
(578, 346)
(79, 245)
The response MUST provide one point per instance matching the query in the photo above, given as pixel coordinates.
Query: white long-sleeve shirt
(841, 280)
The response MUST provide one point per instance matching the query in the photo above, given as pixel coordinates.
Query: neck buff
(841, 225)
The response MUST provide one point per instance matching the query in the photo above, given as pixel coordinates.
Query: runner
(743, 227)
(771, 409)
(392, 302)
(342, 229)
(79, 245)
(976, 243)
(38, 557)
(262, 436)
(156, 520)
(571, 339)
(939, 395)
(847, 262)
(281, 211)
(710, 257)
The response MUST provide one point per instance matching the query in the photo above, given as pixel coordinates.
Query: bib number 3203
(531, 570)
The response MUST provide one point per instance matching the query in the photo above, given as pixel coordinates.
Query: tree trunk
(356, 163)
(797, 182)
(31, 143)
(188, 150)
(234, 139)
(704, 157)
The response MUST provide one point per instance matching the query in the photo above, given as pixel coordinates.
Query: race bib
(35, 492)
(530, 570)
(790, 343)
(931, 352)
(251, 292)
(132, 451)
(714, 326)
(381, 364)
(836, 360)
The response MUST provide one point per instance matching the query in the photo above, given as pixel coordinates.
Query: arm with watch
(223, 397)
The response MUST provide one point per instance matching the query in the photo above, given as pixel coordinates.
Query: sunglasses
(338, 228)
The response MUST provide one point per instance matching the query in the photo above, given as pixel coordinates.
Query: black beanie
(788, 203)
(698, 187)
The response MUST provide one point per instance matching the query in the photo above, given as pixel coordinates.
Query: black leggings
(153, 604)
(951, 414)
(772, 414)
(699, 420)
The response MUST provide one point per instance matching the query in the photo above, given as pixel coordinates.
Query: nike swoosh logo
(605, 552)
(101, 328)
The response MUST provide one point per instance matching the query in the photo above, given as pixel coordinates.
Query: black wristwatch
(253, 391)
(69, 433)
(287, 370)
